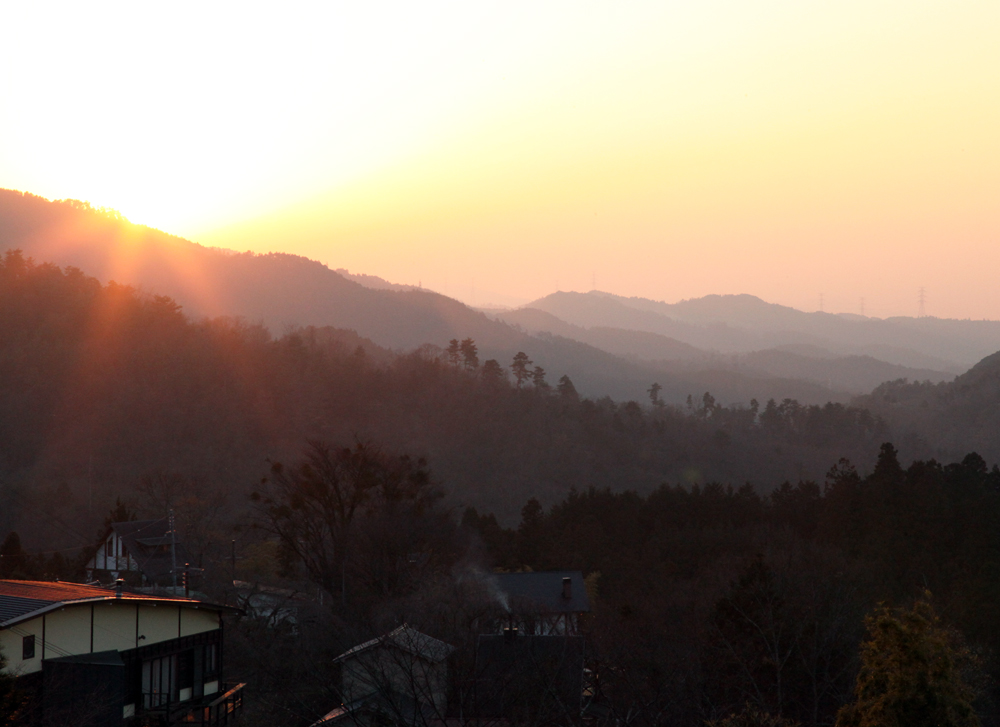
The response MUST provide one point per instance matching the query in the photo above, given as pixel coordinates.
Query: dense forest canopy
(712, 597)
(693, 524)
(103, 387)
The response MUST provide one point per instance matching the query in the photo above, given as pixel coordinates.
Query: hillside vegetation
(283, 291)
(103, 388)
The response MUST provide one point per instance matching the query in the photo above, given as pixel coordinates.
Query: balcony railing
(208, 711)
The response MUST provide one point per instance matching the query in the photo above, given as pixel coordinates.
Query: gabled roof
(148, 542)
(408, 639)
(23, 600)
(544, 591)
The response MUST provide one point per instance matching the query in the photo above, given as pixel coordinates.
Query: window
(109, 548)
(28, 647)
(185, 669)
(158, 681)
(210, 662)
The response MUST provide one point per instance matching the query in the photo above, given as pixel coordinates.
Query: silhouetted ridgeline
(284, 291)
(101, 387)
(742, 323)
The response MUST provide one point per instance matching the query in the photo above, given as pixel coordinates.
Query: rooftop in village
(149, 543)
(23, 600)
(547, 591)
(408, 639)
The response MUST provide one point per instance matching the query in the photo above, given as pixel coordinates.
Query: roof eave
(114, 599)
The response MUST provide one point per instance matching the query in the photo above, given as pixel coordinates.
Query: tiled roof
(544, 591)
(21, 598)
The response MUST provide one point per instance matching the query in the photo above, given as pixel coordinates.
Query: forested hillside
(939, 420)
(713, 597)
(103, 389)
(790, 362)
(282, 291)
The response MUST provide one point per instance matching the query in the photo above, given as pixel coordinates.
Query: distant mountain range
(737, 347)
(854, 374)
(742, 323)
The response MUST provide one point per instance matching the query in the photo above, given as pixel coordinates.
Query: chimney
(119, 584)
(567, 588)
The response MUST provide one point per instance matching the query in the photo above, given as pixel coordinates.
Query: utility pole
(173, 551)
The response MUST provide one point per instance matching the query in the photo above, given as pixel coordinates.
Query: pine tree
(520, 368)
(910, 673)
(538, 378)
(454, 352)
(470, 354)
(566, 388)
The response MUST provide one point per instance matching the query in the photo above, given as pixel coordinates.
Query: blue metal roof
(544, 591)
(13, 606)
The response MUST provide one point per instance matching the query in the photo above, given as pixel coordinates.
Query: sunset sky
(500, 151)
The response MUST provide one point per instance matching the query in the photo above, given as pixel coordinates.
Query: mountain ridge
(932, 343)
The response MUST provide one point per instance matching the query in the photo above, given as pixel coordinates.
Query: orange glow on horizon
(500, 151)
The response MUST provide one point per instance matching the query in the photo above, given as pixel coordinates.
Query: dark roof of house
(21, 600)
(544, 591)
(408, 639)
(148, 542)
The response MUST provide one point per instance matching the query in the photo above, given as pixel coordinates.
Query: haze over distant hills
(738, 347)
(741, 323)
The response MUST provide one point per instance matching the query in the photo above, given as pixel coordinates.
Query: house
(398, 678)
(547, 603)
(143, 552)
(116, 656)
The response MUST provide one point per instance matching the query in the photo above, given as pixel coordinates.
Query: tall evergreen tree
(910, 673)
(470, 354)
(520, 368)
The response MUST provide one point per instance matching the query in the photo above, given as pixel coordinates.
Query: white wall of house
(112, 555)
(101, 626)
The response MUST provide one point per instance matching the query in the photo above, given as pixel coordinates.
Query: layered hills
(741, 323)
(105, 392)
(738, 347)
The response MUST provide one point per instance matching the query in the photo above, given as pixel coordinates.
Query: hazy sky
(498, 151)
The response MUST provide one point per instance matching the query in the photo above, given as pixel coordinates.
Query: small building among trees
(142, 552)
(398, 678)
(546, 603)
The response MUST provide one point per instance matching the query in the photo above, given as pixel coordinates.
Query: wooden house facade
(119, 656)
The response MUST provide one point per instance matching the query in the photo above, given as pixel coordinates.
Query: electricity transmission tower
(921, 300)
